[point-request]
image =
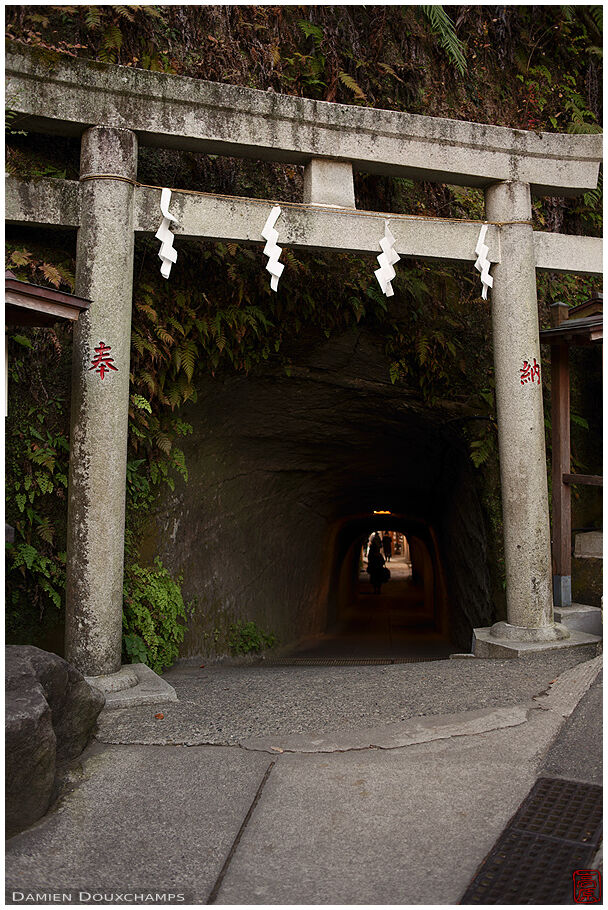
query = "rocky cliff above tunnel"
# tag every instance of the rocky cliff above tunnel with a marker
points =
(278, 464)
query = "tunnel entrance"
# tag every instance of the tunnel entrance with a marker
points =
(388, 597)
(288, 477)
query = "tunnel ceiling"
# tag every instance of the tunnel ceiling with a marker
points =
(367, 444)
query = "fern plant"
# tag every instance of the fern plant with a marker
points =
(154, 616)
(443, 27)
(594, 198)
(350, 83)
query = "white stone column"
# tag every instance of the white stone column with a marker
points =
(521, 432)
(328, 182)
(100, 401)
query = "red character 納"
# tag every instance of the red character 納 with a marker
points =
(530, 372)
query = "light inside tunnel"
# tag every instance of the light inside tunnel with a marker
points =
(410, 615)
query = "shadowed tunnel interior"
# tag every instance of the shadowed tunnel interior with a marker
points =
(285, 473)
(410, 615)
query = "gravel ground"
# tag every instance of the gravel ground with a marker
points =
(228, 704)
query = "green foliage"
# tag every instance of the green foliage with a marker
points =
(246, 638)
(11, 118)
(592, 209)
(37, 454)
(154, 616)
(443, 27)
(558, 101)
(311, 31)
(482, 429)
(350, 83)
(482, 449)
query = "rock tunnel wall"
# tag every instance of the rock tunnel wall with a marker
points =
(278, 465)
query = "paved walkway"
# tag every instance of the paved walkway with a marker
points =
(312, 785)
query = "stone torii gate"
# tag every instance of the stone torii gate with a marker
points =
(115, 109)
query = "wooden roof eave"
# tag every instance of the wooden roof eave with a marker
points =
(30, 304)
(588, 330)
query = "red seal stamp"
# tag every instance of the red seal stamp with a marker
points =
(587, 886)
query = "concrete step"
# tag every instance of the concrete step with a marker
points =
(581, 618)
(485, 645)
(587, 565)
(589, 545)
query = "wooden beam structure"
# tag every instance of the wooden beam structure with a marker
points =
(588, 480)
(30, 304)
(587, 329)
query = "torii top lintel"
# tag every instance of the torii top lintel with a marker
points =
(67, 95)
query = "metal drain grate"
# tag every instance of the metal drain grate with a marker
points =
(556, 830)
(564, 809)
(344, 661)
(527, 869)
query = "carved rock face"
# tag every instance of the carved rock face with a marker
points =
(284, 473)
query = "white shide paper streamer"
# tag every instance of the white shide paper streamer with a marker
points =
(272, 250)
(482, 263)
(387, 259)
(166, 254)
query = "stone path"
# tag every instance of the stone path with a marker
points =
(223, 705)
(333, 790)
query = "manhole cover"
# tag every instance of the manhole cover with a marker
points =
(556, 830)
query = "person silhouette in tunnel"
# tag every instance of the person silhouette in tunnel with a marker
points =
(374, 537)
(375, 564)
(387, 546)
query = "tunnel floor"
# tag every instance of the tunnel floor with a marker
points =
(390, 624)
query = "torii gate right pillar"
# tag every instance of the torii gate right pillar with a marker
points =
(521, 432)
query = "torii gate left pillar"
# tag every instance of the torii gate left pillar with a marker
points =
(100, 403)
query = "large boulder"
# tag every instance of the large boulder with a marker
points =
(50, 714)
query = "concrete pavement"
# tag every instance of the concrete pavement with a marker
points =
(303, 796)
(576, 753)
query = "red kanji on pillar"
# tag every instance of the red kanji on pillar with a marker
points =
(102, 362)
(529, 372)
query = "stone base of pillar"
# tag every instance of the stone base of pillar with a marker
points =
(486, 644)
(126, 678)
(553, 632)
(134, 684)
